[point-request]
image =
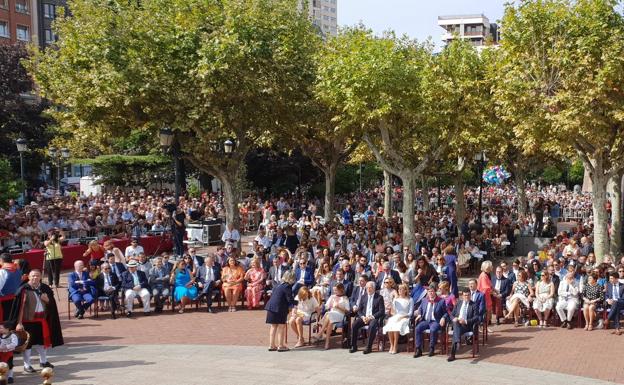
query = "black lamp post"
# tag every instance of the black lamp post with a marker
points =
(439, 163)
(59, 156)
(167, 139)
(22, 147)
(481, 161)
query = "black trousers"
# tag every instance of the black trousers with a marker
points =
(207, 292)
(178, 242)
(358, 324)
(53, 270)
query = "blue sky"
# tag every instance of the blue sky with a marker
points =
(416, 18)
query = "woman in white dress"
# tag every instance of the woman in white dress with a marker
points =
(302, 312)
(402, 310)
(323, 276)
(337, 306)
(544, 299)
(388, 292)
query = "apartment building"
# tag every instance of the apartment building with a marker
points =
(324, 15)
(47, 13)
(18, 21)
(476, 29)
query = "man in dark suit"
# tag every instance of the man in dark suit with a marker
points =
(107, 284)
(304, 275)
(158, 279)
(615, 299)
(387, 272)
(465, 318)
(134, 284)
(431, 316)
(340, 278)
(276, 272)
(117, 268)
(501, 287)
(478, 298)
(208, 279)
(358, 293)
(371, 313)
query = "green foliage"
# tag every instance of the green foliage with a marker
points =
(348, 179)
(552, 175)
(576, 172)
(130, 170)
(10, 186)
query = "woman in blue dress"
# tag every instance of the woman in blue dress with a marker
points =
(184, 285)
(450, 260)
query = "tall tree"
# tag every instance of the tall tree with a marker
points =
(21, 112)
(562, 65)
(398, 91)
(210, 70)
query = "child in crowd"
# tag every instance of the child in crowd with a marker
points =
(8, 343)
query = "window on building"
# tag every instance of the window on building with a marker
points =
(21, 6)
(49, 36)
(49, 11)
(23, 33)
(4, 29)
(4, 3)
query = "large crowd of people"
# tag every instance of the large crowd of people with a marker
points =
(352, 272)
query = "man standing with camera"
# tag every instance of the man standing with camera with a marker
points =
(53, 256)
(179, 229)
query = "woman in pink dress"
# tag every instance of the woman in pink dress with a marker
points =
(484, 285)
(255, 278)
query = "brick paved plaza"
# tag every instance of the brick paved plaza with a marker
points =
(232, 348)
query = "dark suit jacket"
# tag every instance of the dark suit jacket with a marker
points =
(99, 283)
(118, 268)
(309, 276)
(382, 275)
(379, 311)
(505, 286)
(609, 292)
(439, 309)
(127, 283)
(281, 299)
(201, 273)
(472, 315)
(479, 300)
(356, 293)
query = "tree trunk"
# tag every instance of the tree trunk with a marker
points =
(615, 191)
(460, 206)
(522, 197)
(599, 190)
(425, 194)
(231, 185)
(330, 188)
(409, 183)
(387, 194)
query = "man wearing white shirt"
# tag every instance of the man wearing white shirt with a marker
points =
(134, 249)
(231, 235)
(262, 239)
(371, 314)
(107, 284)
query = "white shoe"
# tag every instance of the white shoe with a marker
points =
(600, 325)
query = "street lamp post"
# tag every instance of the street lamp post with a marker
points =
(22, 147)
(438, 175)
(167, 139)
(481, 161)
(60, 156)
